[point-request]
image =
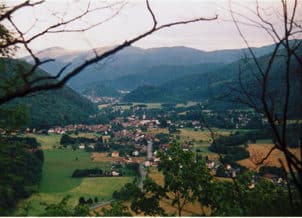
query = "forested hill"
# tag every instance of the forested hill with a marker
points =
(193, 87)
(212, 85)
(99, 89)
(135, 61)
(56, 107)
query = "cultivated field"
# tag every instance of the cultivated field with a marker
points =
(258, 152)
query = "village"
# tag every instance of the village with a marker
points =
(135, 140)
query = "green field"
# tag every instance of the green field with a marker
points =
(150, 105)
(189, 104)
(47, 141)
(57, 182)
(201, 139)
(86, 135)
(102, 106)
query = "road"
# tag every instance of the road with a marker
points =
(143, 173)
(100, 204)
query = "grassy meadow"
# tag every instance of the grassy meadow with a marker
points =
(47, 141)
(57, 182)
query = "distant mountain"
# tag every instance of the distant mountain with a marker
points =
(212, 86)
(193, 87)
(160, 74)
(134, 60)
(100, 89)
(55, 107)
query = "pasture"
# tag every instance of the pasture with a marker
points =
(188, 104)
(57, 182)
(46, 141)
(102, 106)
(149, 105)
(89, 135)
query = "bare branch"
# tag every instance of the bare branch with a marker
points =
(34, 87)
(27, 3)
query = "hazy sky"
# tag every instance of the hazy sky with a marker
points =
(133, 18)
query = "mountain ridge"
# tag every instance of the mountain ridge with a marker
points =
(134, 60)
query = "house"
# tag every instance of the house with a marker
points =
(91, 146)
(81, 146)
(51, 131)
(210, 164)
(228, 167)
(105, 138)
(115, 154)
(135, 153)
(147, 163)
(251, 186)
(114, 173)
(156, 160)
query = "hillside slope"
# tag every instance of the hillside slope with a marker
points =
(211, 86)
(54, 107)
(135, 60)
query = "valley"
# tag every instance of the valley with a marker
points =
(121, 142)
(124, 142)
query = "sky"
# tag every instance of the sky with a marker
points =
(130, 18)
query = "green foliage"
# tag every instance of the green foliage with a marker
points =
(126, 192)
(81, 210)
(277, 171)
(46, 108)
(5, 38)
(117, 209)
(148, 200)
(98, 89)
(67, 140)
(63, 209)
(144, 201)
(20, 173)
(231, 146)
(13, 117)
(184, 176)
(186, 179)
(221, 171)
(172, 129)
(265, 199)
(58, 209)
(79, 173)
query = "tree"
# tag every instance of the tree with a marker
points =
(186, 179)
(59, 209)
(21, 172)
(117, 209)
(274, 82)
(26, 81)
(147, 200)
(263, 199)
(63, 209)
(13, 118)
(82, 201)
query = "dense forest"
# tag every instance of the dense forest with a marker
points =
(20, 170)
(48, 108)
(217, 86)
